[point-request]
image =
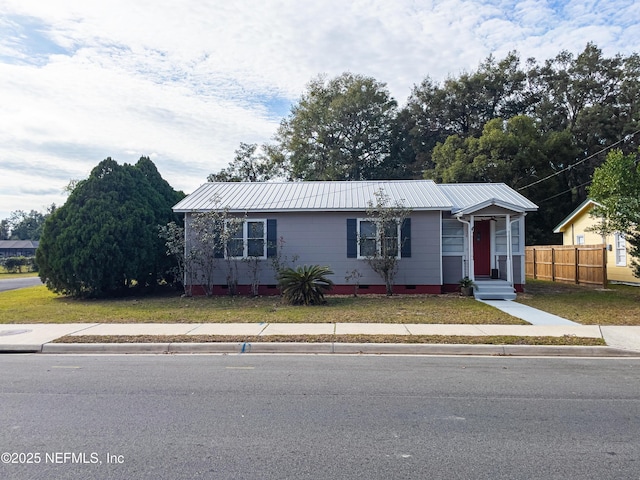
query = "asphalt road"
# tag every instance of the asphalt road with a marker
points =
(318, 417)
(15, 283)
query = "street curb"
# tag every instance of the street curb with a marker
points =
(97, 348)
(333, 348)
(21, 348)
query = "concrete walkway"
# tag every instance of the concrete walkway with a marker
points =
(527, 313)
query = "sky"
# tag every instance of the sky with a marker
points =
(184, 82)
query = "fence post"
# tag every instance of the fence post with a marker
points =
(605, 280)
(576, 260)
(535, 264)
(553, 264)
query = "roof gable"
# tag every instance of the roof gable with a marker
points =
(580, 210)
(468, 198)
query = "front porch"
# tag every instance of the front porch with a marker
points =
(493, 232)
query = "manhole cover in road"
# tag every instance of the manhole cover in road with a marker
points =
(6, 333)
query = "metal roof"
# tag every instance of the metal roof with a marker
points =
(347, 196)
(309, 196)
(18, 244)
(466, 196)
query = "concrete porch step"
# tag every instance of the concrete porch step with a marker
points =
(493, 290)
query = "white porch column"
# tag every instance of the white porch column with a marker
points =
(471, 259)
(509, 250)
(466, 261)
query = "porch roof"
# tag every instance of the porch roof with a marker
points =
(468, 198)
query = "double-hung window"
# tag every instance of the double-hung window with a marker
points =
(621, 250)
(501, 236)
(452, 237)
(256, 238)
(376, 238)
(246, 239)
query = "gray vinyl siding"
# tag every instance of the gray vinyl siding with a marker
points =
(451, 269)
(518, 274)
(321, 238)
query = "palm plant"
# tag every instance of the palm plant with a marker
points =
(305, 285)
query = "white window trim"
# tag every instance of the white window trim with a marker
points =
(465, 248)
(245, 239)
(620, 248)
(378, 243)
(580, 239)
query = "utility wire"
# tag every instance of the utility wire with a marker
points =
(580, 161)
(566, 191)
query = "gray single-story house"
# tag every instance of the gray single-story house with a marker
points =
(18, 248)
(453, 231)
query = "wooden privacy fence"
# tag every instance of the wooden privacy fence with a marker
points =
(567, 263)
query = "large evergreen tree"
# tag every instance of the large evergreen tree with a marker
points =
(340, 129)
(542, 128)
(579, 106)
(104, 239)
(515, 152)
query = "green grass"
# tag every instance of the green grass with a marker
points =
(615, 305)
(39, 305)
(433, 339)
(4, 275)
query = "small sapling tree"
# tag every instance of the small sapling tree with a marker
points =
(380, 237)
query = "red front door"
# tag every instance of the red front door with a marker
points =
(482, 248)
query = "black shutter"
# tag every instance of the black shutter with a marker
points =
(352, 238)
(272, 238)
(405, 238)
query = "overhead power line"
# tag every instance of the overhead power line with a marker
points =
(580, 161)
(562, 193)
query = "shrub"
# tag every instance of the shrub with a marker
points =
(15, 264)
(305, 285)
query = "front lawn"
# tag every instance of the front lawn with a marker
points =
(615, 305)
(4, 275)
(39, 305)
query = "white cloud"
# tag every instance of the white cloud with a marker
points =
(186, 81)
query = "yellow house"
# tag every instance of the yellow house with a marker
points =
(574, 229)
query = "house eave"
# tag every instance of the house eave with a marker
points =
(493, 202)
(580, 209)
(307, 210)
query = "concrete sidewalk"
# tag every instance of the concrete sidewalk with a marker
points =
(38, 337)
